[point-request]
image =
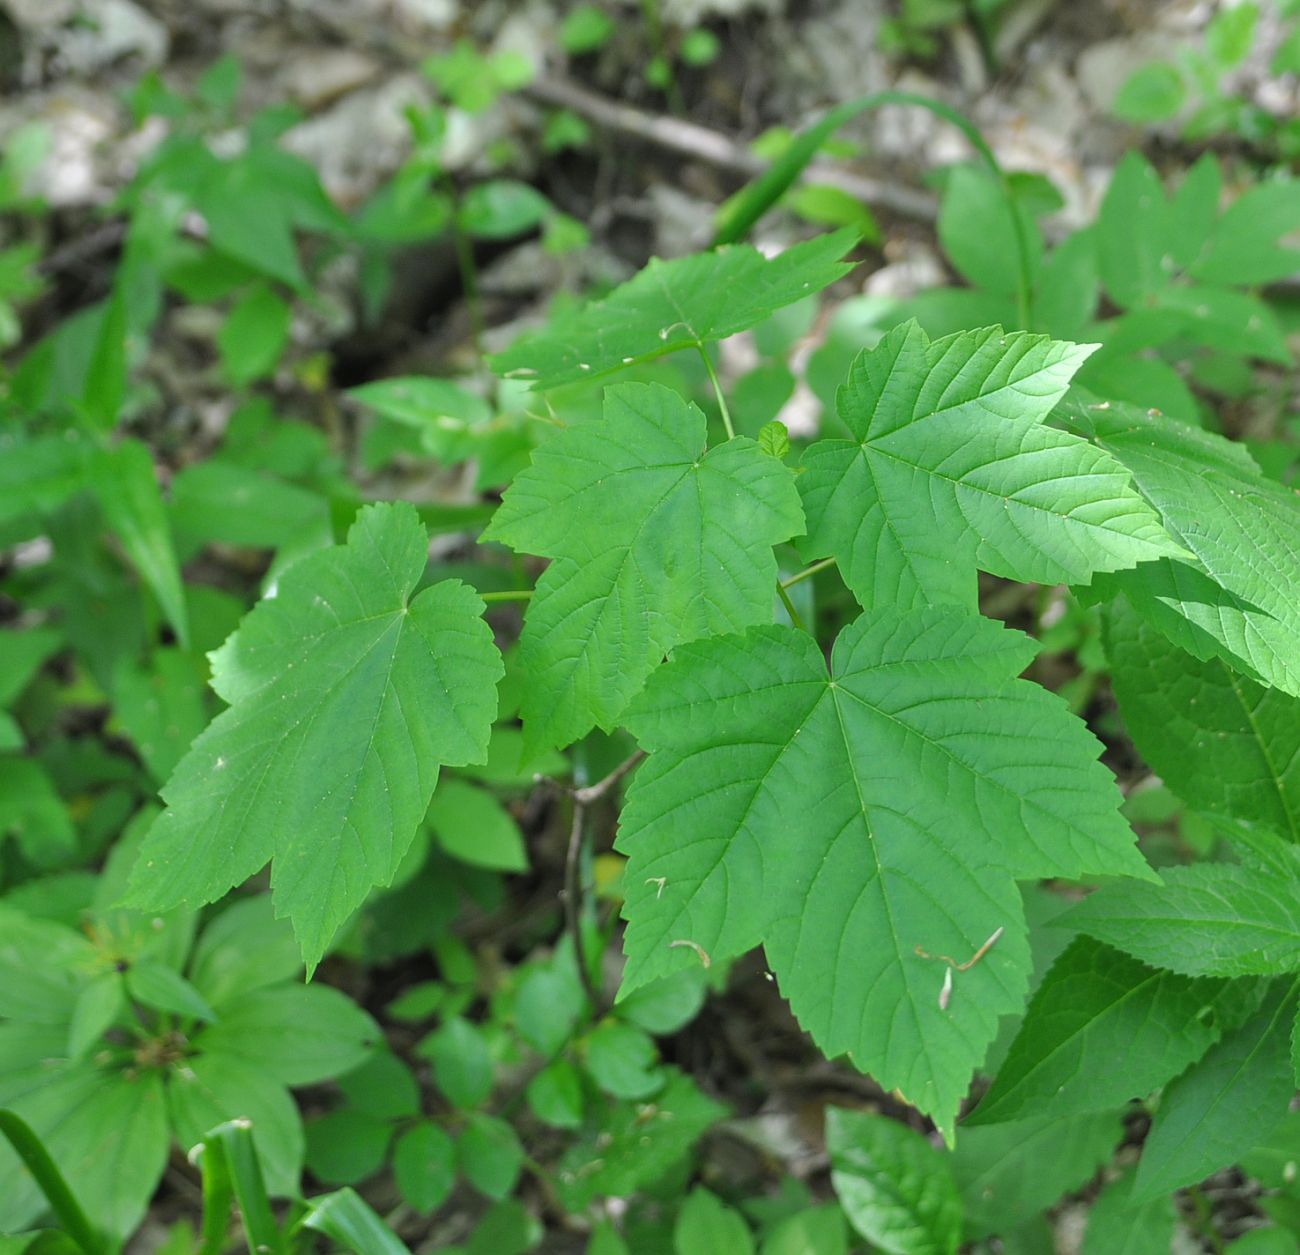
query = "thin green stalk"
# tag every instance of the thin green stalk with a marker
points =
(63, 1203)
(807, 573)
(218, 1199)
(789, 607)
(233, 1141)
(468, 273)
(717, 391)
(511, 594)
(772, 184)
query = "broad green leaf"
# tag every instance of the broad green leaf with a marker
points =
(1193, 210)
(99, 1003)
(813, 1231)
(424, 1165)
(814, 814)
(296, 1034)
(895, 1187)
(243, 949)
(1203, 619)
(107, 1132)
(219, 501)
(1227, 320)
(123, 479)
(1102, 1029)
(383, 1086)
(160, 706)
(635, 1143)
(1274, 1161)
(154, 984)
(1152, 93)
(978, 232)
(951, 469)
(705, 1225)
(210, 1089)
(438, 409)
(490, 1155)
(33, 813)
(345, 696)
(670, 305)
(345, 1146)
(1225, 1104)
(22, 653)
(1132, 237)
(462, 1065)
(1210, 919)
(1239, 597)
(622, 1060)
(498, 209)
(664, 1006)
(547, 1006)
(1217, 739)
(1008, 1173)
(1118, 1226)
(654, 541)
(104, 388)
(1246, 245)
(555, 1095)
(254, 335)
(474, 827)
(1231, 32)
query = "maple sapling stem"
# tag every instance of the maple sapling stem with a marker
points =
(789, 607)
(717, 391)
(573, 905)
(512, 594)
(807, 573)
(594, 792)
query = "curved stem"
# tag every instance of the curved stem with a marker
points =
(807, 573)
(789, 607)
(770, 186)
(717, 391)
(63, 1203)
(573, 905)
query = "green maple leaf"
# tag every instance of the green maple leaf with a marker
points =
(1235, 595)
(1102, 1029)
(842, 821)
(654, 541)
(950, 469)
(1226, 1103)
(1210, 919)
(346, 694)
(1216, 738)
(671, 305)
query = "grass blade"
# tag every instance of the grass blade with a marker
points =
(353, 1223)
(31, 1150)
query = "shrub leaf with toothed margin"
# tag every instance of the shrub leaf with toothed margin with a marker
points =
(679, 304)
(653, 541)
(844, 820)
(346, 695)
(1235, 595)
(950, 470)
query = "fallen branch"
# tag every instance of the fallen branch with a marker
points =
(679, 135)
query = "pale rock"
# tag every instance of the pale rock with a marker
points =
(360, 140)
(80, 124)
(320, 76)
(37, 15)
(689, 13)
(112, 31)
(1104, 67)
